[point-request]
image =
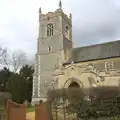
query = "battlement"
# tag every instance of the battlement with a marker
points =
(58, 12)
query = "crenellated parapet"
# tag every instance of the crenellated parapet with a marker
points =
(58, 12)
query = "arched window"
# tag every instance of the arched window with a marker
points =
(49, 48)
(50, 29)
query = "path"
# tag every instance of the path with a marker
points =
(30, 116)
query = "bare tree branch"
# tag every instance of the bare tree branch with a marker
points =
(14, 60)
(2, 52)
(5, 59)
(18, 59)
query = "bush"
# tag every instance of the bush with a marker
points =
(18, 88)
(29, 105)
(104, 102)
(93, 110)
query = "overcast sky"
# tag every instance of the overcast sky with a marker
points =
(94, 21)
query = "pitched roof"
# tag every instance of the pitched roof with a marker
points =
(96, 52)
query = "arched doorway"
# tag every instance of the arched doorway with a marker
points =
(74, 85)
(74, 88)
(75, 92)
(73, 82)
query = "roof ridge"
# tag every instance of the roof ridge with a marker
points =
(104, 43)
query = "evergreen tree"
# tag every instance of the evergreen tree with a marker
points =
(4, 76)
(27, 72)
(18, 87)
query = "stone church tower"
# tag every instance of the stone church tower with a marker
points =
(54, 46)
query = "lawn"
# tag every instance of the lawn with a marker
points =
(2, 113)
(30, 114)
(30, 109)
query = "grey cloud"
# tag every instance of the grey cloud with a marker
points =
(20, 34)
(95, 21)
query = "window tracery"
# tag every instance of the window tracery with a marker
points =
(50, 29)
(108, 66)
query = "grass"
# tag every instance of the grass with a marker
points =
(2, 113)
(30, 109)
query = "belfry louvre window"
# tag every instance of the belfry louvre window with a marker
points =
(50, 29)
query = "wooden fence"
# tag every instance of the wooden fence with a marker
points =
(43, 111)
(15, 111)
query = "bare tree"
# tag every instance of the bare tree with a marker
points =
(14, 60)
(2, 52)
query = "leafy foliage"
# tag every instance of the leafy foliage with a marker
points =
(4, 75)
(99, 105)
(27, 72)
(18, 87)
(100, 102)
(89, 110)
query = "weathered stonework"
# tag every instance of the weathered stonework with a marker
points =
(50, 49)
(58, 64)
(87, 74)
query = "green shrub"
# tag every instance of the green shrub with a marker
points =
(100, 109)
(29, 105)
(104, 102)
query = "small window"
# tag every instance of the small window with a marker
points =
(66, 29)
(50, 29)
(49, 48)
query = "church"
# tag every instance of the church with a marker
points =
(59, 65)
